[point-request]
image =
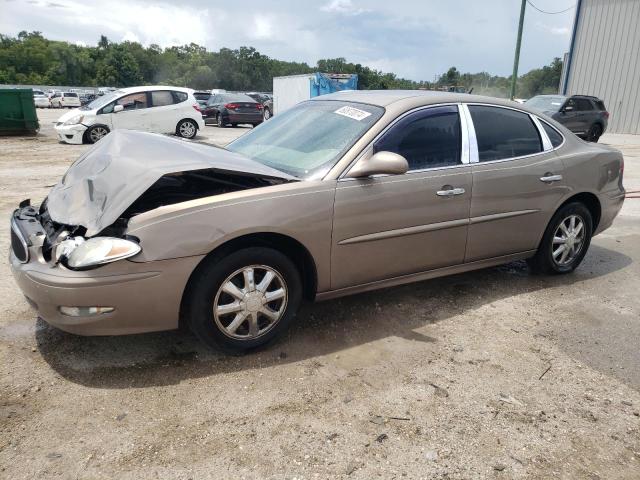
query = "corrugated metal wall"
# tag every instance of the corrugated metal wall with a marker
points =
(606, 59)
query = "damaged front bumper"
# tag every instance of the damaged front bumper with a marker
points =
(132, 297)
(73, 134)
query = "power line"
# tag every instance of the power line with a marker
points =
(550, 13)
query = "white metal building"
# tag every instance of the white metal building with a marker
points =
(604, 59)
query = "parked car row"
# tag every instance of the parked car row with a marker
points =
(154, 109)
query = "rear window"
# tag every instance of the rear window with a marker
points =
(554, 136)
(236, 97)
(504, 133)
(180, 96)
(600, 105)
(71, 94)
(161, 98)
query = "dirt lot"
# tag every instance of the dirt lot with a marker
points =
(441, 379)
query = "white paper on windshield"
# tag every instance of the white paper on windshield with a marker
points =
(352, 112)
(556, 103)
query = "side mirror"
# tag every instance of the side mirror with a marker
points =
(380, 163)
(118, 108)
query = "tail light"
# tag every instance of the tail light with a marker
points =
(606, 115)
(259, 106)
(231, 106)
(197, 107)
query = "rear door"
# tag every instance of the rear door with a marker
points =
(163, 112)
(394, 225)
(587, 115)
(517, 183)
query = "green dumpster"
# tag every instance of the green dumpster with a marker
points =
(17, 112)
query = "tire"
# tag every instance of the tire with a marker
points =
(219, 121)
(187, 129)
(214, 325)
(95, 133)
(544, 261)
(594, 133)
(266, 115)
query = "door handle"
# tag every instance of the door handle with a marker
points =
(550, 178)
(450, 192)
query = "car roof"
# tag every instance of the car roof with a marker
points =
(591, 97)
(148, 88)
(384, 98)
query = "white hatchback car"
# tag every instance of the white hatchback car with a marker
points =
(150, 109)
(40, 100)
(65, 100)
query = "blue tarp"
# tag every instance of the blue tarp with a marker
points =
(322, 83)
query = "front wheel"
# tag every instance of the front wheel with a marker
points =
(187, 129)
(95, 133)
(565, 241)
(220, 121)
(266, 115)
(243, 300)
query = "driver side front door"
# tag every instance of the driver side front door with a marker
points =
(394, 225)
(135, 115)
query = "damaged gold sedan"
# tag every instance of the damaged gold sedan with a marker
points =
(341, 194)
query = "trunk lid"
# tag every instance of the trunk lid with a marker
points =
(107, 179)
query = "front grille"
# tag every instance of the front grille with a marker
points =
(18, 243)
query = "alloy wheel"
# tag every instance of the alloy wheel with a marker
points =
(568, 240)
(187, 130)
(250, 302)
(97, 133)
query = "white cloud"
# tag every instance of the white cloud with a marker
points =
(554, 30)
(344, 7)
(263, 27)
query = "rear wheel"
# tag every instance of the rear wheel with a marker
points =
(594, 133)
(187, 129)
(565, 242)
(243, 300)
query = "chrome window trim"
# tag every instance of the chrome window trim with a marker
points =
(564, 139)
(542, 152)
(369, 147)
(546, 143)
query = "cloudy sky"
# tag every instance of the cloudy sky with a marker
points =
(414, 38)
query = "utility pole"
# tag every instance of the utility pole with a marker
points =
(516, 60)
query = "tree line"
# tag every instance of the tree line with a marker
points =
(31, 59)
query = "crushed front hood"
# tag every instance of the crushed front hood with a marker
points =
(105, 181)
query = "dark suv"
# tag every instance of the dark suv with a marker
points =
(585, 116)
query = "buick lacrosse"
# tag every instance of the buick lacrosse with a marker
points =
(341, 194)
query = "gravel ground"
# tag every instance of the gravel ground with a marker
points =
(490, 374)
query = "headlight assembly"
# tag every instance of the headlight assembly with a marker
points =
(75, 120)
(98, 251)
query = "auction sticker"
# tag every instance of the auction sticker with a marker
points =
(351, 112)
